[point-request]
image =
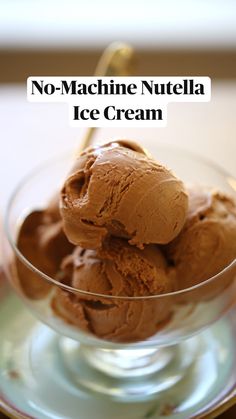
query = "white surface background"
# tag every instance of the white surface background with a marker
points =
(33, 132)
(91, 23)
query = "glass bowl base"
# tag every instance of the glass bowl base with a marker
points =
(45, 376)
(134, 375)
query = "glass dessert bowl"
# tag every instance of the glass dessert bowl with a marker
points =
(126, 347)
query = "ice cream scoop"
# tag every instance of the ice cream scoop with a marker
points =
(207, 243)
(42, 242)
(117, 190)
(118, 270)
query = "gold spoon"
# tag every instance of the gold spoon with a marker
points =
(116, 60)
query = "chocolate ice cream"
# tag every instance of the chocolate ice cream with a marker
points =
(42, 242)
(207, 243)
(135, 236)
(116, 189)
(116, 270)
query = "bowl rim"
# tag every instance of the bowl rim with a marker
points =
(54, 282)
